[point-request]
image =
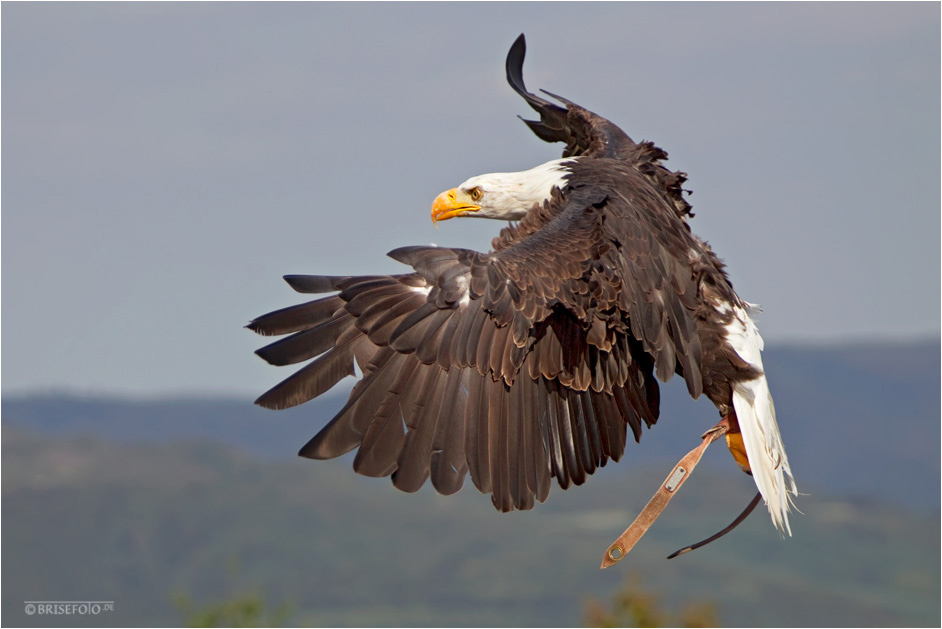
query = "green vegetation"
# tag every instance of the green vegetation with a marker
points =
(634, 606)
(243, 610)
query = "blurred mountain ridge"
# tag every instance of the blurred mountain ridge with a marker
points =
(859, 420)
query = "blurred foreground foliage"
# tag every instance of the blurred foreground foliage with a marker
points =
(633, 606)
(247, 609)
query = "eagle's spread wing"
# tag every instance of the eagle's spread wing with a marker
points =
(522, 365)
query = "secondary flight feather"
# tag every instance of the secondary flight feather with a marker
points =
(530, 364)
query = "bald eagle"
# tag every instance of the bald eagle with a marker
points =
(533, 362)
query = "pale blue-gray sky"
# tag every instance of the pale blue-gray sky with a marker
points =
(165, 164)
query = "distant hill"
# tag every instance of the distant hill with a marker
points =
(858, 421)
(89, 518)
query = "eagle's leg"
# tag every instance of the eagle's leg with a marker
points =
(617, 551)
(727, 424)
(734, 442)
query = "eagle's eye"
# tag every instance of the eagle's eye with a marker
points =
(475, 193)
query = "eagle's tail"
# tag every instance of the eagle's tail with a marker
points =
(755, 412)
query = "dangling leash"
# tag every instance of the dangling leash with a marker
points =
(742, 516)
(659, 501)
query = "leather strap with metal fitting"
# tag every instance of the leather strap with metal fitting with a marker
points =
(681, 472)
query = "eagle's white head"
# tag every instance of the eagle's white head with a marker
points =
(504, 196)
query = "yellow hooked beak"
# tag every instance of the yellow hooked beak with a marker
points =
(452, 203)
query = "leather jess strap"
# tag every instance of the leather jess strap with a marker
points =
(659, 501)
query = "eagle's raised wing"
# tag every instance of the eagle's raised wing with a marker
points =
(583, 132)
(588, 134)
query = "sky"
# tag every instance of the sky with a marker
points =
(164, 164)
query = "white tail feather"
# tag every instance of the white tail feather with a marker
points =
(756, 414)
